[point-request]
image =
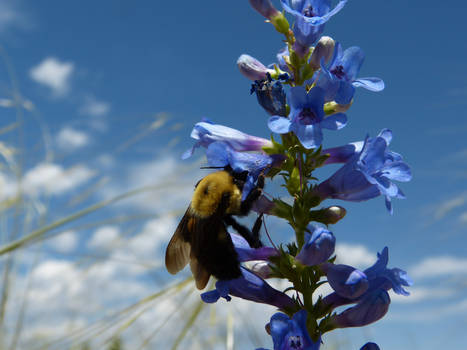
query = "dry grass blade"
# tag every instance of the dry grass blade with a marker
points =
(191, 320)
(35, 235)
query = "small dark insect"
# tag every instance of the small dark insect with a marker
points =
(201, 237)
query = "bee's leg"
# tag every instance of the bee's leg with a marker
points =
(252, 237)
(254, 194)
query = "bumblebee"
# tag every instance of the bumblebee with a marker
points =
(201, 237)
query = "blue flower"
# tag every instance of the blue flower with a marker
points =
(339, 78)
(206, 132)
(307, 117)
(220, 154)
(380, 276)
(291, 334)
(270, 95)
(310, 16)
(246, 253)
(318, 247)
(368, 173)
(345, 280)
(372, 307)
(315, 12)
(370, 346)
(250, 287)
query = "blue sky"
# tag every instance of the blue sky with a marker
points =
(113, 89)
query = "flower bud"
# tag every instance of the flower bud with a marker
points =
(265, 8)
(323, 50)
(369, 309)
(346, 280)
(329, 215)
(251, 68)
(318, 247)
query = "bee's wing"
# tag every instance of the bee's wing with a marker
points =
(177, 254)
(199, 273)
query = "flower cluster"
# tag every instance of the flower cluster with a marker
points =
(309, 89)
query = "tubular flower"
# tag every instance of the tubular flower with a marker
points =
(314, 12)
(220, 154)
(270, 95)
(307, 117)
(310, 16)
(251, 68)
(250, 287)
(369, 309)
(346, 280)
(206, 132)
(318, 248)
(246, 253)
(368, 174)
(291, 334)
(380, 276)
(339, 78)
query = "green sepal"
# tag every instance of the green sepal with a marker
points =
(280, 23)
(282, 210)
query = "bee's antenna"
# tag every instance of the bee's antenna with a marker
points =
(212, 167)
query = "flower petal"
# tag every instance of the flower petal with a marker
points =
(334, 122)
(372, 84)
(310, 136)
(352, 60)
(279, 125)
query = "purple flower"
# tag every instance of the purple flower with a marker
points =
(310, 16)
(206, 132)
(347, 281)
(370, 346)
(250, 287)
(339, 78)
(369, 309)
(380, 276)
(307, 117)
(318, 247)
(291, 334)
(368, 173)
(246, 253)
(270, 95)
(265, 8)
(281, 60)
(251, 68)
(220, 154)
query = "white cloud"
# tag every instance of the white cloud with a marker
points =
(51, 178)
(65, 242)
(463, 218)
(12, 16)
(54, 74)
(354, 255)
(104, 238)
(94, 107)
(70, 139)
(439, 266)
(418, 294)
(171, 185)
